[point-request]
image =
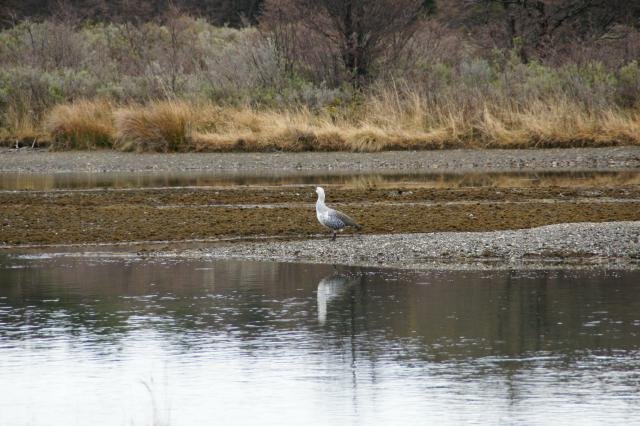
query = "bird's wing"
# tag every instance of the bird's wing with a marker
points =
(345, 219)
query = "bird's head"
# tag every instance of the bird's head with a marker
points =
(320, 192)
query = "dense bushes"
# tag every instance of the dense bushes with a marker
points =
(187, 85)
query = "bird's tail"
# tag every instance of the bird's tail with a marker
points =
(357, 226)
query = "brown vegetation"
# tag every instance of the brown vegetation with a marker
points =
(361, 32)
(328, 75)
(380, 125)
(160, 127)
(82, 125)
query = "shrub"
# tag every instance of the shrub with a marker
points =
(629, 85)
(440, 91)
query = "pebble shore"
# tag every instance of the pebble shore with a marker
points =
(43, 161)
(576, 244)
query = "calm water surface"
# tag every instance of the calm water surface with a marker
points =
(121, 341)
(10, 181)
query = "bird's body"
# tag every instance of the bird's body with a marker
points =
(330, 218)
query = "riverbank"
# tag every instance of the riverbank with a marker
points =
(451, 161)
(451, 207)
(613, 244)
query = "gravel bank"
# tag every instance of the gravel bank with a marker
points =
(42, 161)
(576, 244)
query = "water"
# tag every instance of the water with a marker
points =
(121, 341)
(15, 181)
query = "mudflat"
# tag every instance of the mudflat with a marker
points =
(435, 196)
(193, 213)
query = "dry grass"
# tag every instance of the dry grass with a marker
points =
(22, 129)
(385, 122)
(81, 125)
(564, 125)
(159, 127)
(302, 130)
(27, 136)
(560, 124)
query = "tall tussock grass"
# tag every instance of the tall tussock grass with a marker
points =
(81, 125)
(559, 124)
(411, 123)
(158, 127)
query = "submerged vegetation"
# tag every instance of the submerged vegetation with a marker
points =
(179, 83)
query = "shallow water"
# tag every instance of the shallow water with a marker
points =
(122, 341)
(15, 181)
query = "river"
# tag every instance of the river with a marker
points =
(118, 339)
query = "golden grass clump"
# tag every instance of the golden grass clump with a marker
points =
(81, 125)
(622, 126)
(561, 124)
(259, 131)
(158, 127)
(384, 122)
(301, 130)
(384, 126)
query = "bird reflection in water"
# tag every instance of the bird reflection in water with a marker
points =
(331, 288)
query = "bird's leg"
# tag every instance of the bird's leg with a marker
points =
(334, 236)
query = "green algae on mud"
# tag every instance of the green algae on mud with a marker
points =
(178, 214)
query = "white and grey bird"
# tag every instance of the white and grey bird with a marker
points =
(330, 218)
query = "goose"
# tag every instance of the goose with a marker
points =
(330, 218)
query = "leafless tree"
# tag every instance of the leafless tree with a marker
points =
(299, 50)
(220, 12)
(362, 32)
(535, 28)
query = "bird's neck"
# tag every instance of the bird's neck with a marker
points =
(320, 203)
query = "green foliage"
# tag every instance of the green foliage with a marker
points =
(525, 82)
(629, 85)
(592, 85)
